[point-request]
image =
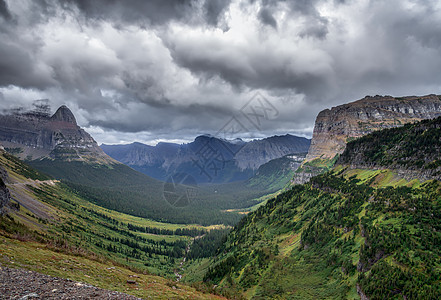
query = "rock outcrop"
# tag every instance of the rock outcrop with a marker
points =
(34, 135)
(335, 127)
(5, 196)
(3, 173)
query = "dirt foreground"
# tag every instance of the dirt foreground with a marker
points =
(23, 284)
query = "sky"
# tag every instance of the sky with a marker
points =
(170, 70)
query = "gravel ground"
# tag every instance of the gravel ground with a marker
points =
(22, 284)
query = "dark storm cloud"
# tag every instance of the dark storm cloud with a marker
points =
(135, 11)
(256, 69)
(315, 25)
(17, 67)
(152, 12)
(4, 12)
(213, 9)
(190, 65)
(267, 18)
(164, 118)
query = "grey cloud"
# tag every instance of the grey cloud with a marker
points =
(152, 12)
(267, 18)
(315, 27)
(307, 7)
(256, 67)
(135, 11)
(161, 66)
(165, 118)
(314, 24)
(213, 9)
(4, 12)
(18, 66)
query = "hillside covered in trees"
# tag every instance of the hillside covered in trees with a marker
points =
(345, 234)
(413, 147)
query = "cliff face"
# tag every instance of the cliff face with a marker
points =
(35, 135)
(258, 152)
(5, 196)
(335, 127)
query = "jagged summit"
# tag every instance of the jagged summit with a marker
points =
(32, 135)
(64, 114)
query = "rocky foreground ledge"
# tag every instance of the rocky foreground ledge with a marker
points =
(23, 284)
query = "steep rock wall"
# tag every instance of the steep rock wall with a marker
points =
(335, 127)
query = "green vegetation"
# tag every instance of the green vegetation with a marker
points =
(54, 231)
(80, 226)
(123, 189)
(321, 239)
(318, 165)
(345, 233)
(23, 169)
(276, 174)
(64, 217)
(206, 245)
(348, 231)
(413, 146)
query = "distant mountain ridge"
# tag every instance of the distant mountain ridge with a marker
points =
(34, 135)
(235, 160)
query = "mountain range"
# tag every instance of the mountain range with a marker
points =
(57, 146)
(207, 158)
(365, 225)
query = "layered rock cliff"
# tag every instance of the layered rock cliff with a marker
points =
(33, 135)
(335, 127)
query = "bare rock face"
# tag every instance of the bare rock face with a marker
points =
(3, 174)
(34, 135)
(64, 115)
(5, 196)
(258, 152)
(335, 127)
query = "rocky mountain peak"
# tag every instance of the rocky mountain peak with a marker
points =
(31, 135)
(64, 114)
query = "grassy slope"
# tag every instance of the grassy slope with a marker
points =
(275, 174)
(307, 243)
(54, 222)
(347, 231)
(38, 257)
